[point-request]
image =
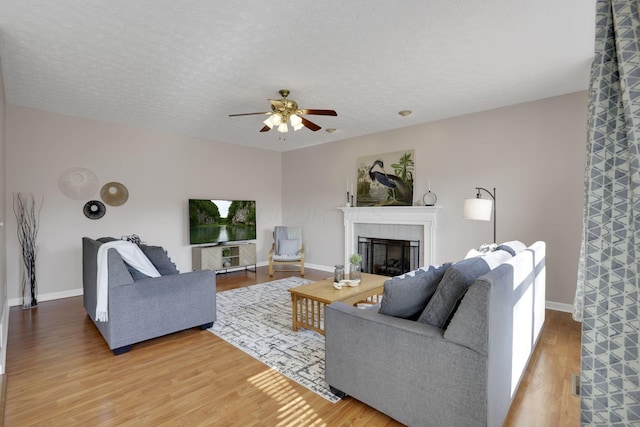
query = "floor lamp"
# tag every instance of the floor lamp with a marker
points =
(480, 209)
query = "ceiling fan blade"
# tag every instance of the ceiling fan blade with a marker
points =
(248, 114)
(310, 125)
(318, 112)
(265, 128)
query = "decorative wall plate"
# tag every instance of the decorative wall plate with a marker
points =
(94, 209)
(78, 183)
(114, 193)
(429, 198)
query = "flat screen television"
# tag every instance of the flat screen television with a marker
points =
(218, 221)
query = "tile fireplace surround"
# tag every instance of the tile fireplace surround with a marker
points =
(401, 216)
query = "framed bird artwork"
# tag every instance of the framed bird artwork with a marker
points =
(386, 179)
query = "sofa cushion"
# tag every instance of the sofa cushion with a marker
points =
(288, 246)
(160, 259)
(455, 283)
(407, 296)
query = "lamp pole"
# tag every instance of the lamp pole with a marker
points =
(493, 196)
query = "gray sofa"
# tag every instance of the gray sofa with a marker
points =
(463, 374)
(148, 307)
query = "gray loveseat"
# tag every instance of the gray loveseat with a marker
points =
(463, 374)
(146, 308)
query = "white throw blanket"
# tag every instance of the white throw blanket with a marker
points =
(133, 256)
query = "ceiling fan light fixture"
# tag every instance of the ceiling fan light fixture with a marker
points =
(268, 123)
(296, 122)
(276, 119)
(295, 119)
(283, 128)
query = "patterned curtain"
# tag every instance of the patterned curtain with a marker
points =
(607, 299)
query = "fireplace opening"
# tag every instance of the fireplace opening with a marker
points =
(388, 257)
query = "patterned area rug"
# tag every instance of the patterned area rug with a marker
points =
(257, 320)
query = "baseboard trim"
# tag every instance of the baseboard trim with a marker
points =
(551, 305)
(558, 306)
(4, 334)
(50, 296)
(318, 267)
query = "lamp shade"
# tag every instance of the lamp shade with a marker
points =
(479, 209)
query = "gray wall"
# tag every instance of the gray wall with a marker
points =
(160, 170)
(4, 307)
(533, 154)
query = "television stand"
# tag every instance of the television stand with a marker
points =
(222, 258)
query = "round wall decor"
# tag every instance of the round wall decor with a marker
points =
(78, 183)
(114, 193)
(94, 209)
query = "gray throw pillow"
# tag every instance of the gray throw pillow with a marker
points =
(135, 273)
(106, 239)
(406, 297)
(454, 285)
(160, 260)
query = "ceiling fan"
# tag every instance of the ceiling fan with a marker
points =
(286, 110)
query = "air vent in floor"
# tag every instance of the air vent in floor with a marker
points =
(575, 385)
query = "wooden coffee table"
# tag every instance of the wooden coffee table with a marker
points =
(309, 301)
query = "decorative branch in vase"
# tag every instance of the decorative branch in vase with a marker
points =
(27, 222)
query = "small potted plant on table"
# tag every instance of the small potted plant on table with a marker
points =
(356, 266)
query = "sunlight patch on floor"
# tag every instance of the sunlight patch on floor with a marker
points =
(294, 409)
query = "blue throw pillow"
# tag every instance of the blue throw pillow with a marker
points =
(406, 297)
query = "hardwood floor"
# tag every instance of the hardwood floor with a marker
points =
(60, 372)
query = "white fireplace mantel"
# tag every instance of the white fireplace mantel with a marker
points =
(424, 216)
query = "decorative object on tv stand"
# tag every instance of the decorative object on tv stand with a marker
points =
(480, 209)
(378, 186)
(355, 268)
(94, 209)
(114, 193)
(27, 219)
(78, 183)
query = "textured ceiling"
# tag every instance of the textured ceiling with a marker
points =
(183, 66)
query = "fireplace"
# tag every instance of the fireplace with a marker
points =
(388, 257)
(413, 223)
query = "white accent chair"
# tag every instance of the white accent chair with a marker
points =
(287, 249)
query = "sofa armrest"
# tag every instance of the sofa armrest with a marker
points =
(161, 305)
(405, 369)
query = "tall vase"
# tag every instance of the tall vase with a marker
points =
(354, 271)
(29, 284)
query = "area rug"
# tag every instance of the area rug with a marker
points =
(257, 320)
